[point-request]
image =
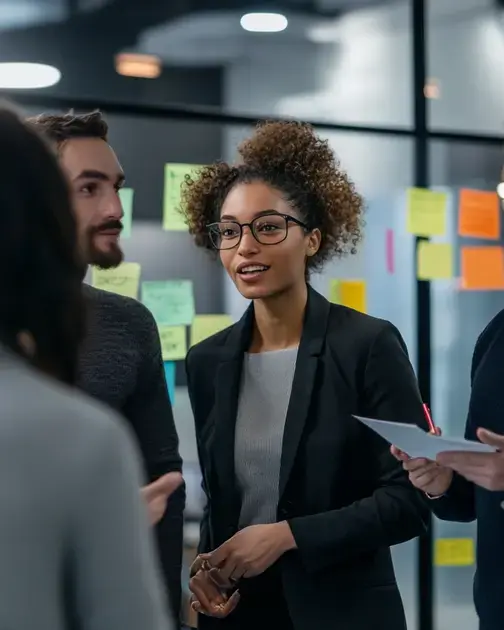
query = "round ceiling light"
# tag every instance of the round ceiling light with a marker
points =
(264, 22)
(30, 76)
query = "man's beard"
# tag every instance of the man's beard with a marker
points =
(98, 258)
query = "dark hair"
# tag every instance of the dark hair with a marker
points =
(58, 128)
(40, 273)
(290, 157)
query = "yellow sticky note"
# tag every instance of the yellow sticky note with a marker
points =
(173, 220)
(205, 326)
(123, 280)
(434, 261)
(352, 293)
(427, 212)
(173, 342)
(334, 291)
(454, 552)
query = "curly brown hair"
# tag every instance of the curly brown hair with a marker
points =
(290, 157)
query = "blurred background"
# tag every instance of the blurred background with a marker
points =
(408, 93)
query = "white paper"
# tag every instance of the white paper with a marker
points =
(415, 442)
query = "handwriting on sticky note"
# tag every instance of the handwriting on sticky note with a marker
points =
(123, 280)
(205, 326)
(454, 552)
(175, 174)
(426, 212)
(170, 301)
(389, 251)
(352, 293)
(126, 196)
(173, 342)
(479, 214)
(334, 291)
(170, 374)
(482, 268)
(434, 261)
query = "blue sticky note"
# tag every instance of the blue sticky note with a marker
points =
(169, 370)
(170, 301)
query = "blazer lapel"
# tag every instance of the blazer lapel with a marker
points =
(310, 348)
(227, 386)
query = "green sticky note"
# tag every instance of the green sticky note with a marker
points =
(123, 280)
(170, 301)
(175, 174)
(173, 342)
(205, 326)
(334, 291)
(126, 197)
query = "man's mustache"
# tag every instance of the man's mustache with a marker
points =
(109, 225)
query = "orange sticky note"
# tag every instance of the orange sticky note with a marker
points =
(352, 293)
(482, 268)
(479, 214)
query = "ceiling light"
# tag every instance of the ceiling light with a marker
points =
(264, 22)
(138, 65)
(28, 75)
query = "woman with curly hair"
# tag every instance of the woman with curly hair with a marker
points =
(303, 502)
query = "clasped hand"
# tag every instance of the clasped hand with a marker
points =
(246, 554)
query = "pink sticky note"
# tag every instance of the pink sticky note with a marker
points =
(389, 250)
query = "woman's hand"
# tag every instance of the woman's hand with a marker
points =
(208, 599)
(249, 552)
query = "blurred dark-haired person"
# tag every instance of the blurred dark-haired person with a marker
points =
(303, 502)
(120, 362)
(75, 541)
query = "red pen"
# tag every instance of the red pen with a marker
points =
(428, 417)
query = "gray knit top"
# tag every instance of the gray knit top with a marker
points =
(264, 397)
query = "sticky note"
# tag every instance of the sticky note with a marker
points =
(126, 197)
(353, 294)
(454, 552)
(479, 214)
(169, 370)
(334, 291)
(173, 342)
(170, 301)
(205, 326)
(426, 212)
(123, 280)
(175, 174)
(389, 251)
(482, 268)
(434, 261)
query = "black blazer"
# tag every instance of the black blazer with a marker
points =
(344, 495)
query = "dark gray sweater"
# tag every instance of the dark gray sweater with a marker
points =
(121, 365)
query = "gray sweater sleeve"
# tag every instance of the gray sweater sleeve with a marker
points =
(115, 581)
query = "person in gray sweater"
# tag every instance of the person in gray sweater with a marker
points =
(75, 540)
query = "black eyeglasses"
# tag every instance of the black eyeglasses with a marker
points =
(267, 229)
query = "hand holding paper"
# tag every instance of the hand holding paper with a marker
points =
(417, 443)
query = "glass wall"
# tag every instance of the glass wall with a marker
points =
(355, 68)
(465, 51)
